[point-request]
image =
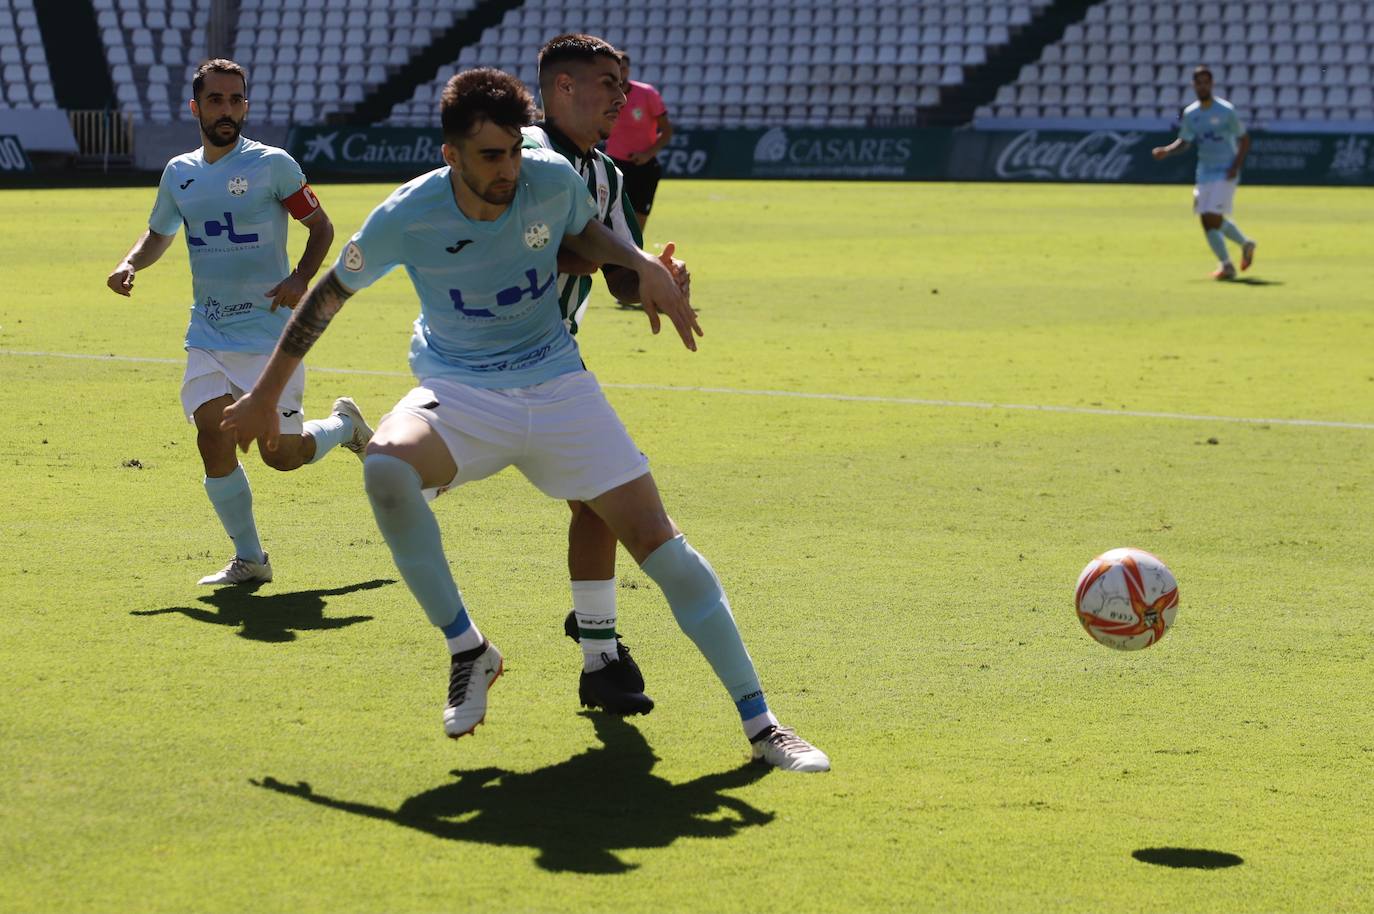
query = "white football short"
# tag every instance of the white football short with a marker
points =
(214, 373)
(1214, 197)
(562, 434)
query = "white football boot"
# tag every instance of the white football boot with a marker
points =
(782, 748)
(240, 571)
(362, 432)
(469, 678)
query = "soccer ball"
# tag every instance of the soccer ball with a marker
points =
(1126, 599)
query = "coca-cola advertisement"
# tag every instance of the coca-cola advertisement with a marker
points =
(1103, 155)
(1097, 156)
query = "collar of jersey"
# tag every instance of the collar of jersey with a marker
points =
(564, 146)
(238, 147)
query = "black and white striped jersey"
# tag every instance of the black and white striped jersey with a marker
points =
(607, 187)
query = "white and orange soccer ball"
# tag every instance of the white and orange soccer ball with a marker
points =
(1126, 599)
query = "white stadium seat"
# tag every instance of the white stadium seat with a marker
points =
(769, 63)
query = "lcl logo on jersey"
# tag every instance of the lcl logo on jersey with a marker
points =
(506, 297)
(536, 235)
(238, 186)
(214, 228)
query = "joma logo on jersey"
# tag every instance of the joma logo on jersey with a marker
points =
(506, 297)
(214, 228)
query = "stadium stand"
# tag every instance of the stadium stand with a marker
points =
(23, 61)
(153, 47)
(718, 63)
(722, 63)
(1293, 62)
(355, 48)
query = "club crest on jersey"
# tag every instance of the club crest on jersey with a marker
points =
(353, 257)
(238, 186)
(602, 193)
(536, 235)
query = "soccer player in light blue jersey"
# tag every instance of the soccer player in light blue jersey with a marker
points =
(501, 383)
(233, 196)
(1212, 125)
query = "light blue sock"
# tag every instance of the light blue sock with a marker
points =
(328, 434)
(409, 528)
(703, 613)
(233, 501)
(1232, 231)
(1218, 244)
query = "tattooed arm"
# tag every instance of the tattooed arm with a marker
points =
(312, 315)
(254, 416)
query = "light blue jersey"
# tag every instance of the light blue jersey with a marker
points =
(1215, 130)
(235, 218)
(489, 313)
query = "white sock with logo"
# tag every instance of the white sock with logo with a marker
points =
(594, 607)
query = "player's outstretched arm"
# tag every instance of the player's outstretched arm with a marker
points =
(145, 252)
(1163, 152)
(624, 284)
(658, 288)
(254, 415)
(288, 292)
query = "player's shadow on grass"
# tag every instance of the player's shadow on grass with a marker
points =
(1239, 281)
(1193, 858)
(275, 617)
(576, 813)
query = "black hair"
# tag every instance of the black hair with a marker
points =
(573, 46)
(217, 65)
(483, 94)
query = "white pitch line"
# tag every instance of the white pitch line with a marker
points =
(977, 404)
(801, 395)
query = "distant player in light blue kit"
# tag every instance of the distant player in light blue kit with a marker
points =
(232, 196)
(501, 383)
(1222, 144)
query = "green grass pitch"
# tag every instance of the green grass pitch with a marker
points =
(902, 569)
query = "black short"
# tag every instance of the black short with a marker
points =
(641, 182)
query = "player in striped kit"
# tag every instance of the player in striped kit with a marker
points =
(582, 95)
(233, 196)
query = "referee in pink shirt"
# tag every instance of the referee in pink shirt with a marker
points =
(641, 130)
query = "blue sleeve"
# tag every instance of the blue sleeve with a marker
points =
(287, 177)
(1185, 129)
(373, 252)
(165, 218)
(1238, 126)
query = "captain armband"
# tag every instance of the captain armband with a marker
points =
(302, 203)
